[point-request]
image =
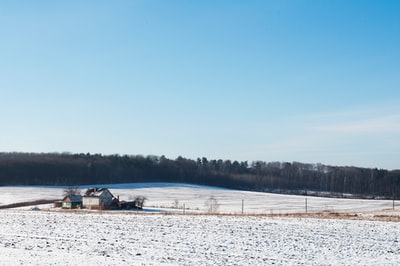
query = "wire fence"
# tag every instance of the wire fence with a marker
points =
(295, 204)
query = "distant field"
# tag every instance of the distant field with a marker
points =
(173, 197)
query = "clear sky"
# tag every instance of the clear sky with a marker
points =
(308, 81)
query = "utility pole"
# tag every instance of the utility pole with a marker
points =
(306, 203)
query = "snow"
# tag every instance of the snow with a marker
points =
(59, 238)
(167, 196)
(172, 238)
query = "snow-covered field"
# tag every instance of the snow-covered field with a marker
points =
(58, 238)
(51, 237)
(167, 196)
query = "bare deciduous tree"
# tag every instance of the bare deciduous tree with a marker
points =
(176, 204)
(138, 201)
(212, 204)
(72, 191)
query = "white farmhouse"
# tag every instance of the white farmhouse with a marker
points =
(97, 198)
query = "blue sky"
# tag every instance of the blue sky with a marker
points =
(308, 81)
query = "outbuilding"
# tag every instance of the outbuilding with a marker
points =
(72, 202)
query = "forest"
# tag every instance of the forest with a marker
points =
(65, 169)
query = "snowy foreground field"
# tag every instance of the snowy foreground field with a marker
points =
(59, 238)
(164, 235)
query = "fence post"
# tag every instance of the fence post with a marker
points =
(306, 203)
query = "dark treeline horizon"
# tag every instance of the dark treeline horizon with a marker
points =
(65, 169)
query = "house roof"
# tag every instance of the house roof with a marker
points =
(96, 192)
(73, 198)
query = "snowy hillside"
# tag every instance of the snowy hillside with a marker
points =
(171, 196)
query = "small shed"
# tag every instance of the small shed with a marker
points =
(98, 198)
(72, 202)
(57, 204)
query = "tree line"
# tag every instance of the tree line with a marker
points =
(64, 169)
